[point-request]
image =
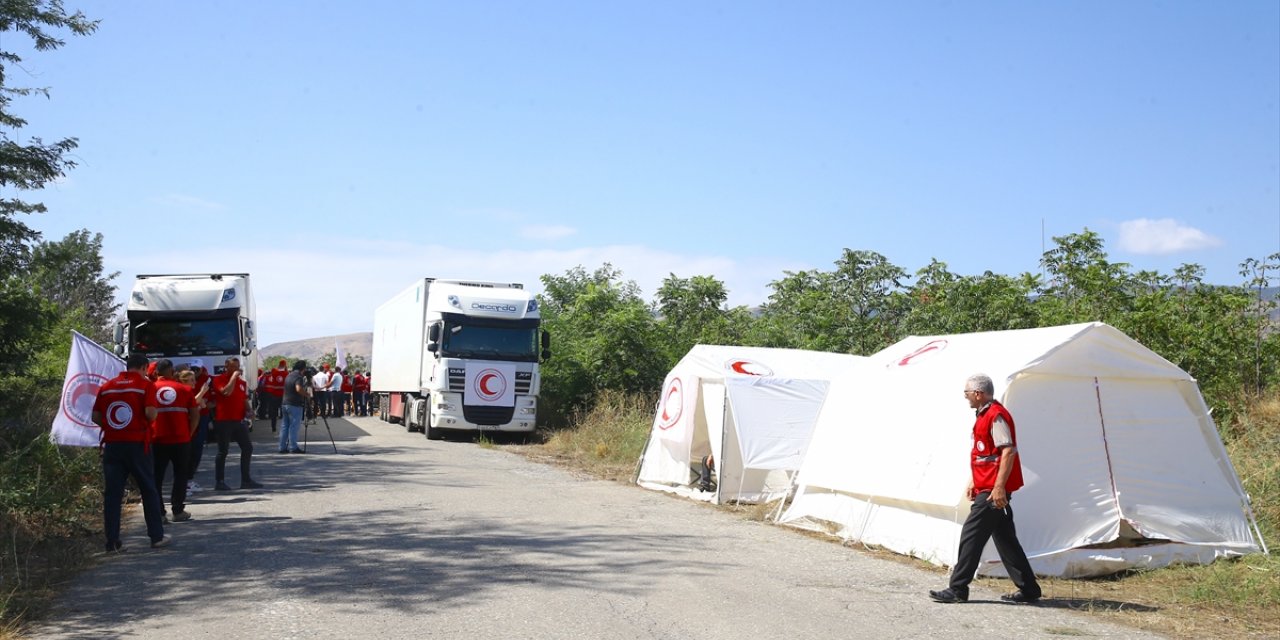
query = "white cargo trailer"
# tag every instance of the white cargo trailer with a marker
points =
(455, 354)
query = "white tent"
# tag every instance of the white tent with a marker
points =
(1123, 465)
(753, 408)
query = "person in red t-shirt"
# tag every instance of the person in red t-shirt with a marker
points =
(273, 392)
(360, 387)
(177, 417)
(203, 387)
(123, 410)
(231, 419)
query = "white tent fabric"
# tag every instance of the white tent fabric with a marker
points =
(752, 408)
(1123, 465)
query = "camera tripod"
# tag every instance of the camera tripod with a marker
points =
(307, 421)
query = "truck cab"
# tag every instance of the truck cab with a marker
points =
(184, 317)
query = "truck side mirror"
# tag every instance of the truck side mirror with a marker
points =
(117, 333)
(433, 333)
(546, 354)
(546, 339)
(433, 347)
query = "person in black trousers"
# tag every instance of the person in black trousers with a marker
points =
(996, 473)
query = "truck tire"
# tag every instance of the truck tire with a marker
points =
(406, 407)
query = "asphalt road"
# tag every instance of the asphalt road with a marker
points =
(395, 536)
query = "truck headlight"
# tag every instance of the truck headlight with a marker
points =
(528, 411)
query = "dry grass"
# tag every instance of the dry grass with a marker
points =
(1228, 599)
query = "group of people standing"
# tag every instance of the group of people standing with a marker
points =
(154, 415)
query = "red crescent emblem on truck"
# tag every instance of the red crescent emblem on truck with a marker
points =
(933, 346)
(672, 405)
(490, 384)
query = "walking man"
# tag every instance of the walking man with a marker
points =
(231, 419)
(996, 473)
(176, 420)
(124, 409)
(273, 391)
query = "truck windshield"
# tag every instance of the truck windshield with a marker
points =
(490, 343)
(186, 337)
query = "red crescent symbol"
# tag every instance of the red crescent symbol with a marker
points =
(935, 345)
(745, 367)
(484, 385)
(674, 397)
(113, 415)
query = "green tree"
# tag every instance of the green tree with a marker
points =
(693, 311)
(857, 308)
(355, 362)
(942, 302)
(29, 166)
(1082, 285)
(69, 274)
(25, 317)
(604, 338)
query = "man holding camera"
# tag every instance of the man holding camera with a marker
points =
(231, 419)
(297, 390)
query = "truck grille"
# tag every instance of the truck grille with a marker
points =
(487, 416)
(458, 380)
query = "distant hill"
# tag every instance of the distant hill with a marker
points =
(312, 349)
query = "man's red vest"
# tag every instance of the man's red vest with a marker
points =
(274, 384)
(121, 402)
(172, 400)
(984, 459)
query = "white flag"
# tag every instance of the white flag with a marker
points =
(89, 367)
(341, 360)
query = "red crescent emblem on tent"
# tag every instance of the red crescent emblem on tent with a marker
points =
(490, 384)
(78, 396)
(745, 367)
(672, 405)
(933, 346)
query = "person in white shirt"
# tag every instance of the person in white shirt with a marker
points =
(320, 382)
(335, 394)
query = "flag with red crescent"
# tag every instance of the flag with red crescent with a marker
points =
(88, 368)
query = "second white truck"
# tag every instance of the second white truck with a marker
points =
(455, 354)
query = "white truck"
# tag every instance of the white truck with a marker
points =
(454, 354)
(184, 317)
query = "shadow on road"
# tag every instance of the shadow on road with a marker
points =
(371, 553)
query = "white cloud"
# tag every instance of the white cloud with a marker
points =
(179, 201)
(1145, 236)
(547, 232)
(310, 287)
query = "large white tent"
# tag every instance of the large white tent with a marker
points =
(1123, 465)
(753, 408)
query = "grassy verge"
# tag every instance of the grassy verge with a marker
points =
(1227, 599)
(50, 521)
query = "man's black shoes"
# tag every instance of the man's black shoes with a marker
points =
(250, 484)
(222, 486)
(947, 596)
(1020, 598)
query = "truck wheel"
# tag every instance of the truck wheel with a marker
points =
(404, 417)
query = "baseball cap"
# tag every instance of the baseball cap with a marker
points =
(197, 363)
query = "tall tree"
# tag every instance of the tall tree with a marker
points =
(604, 338)
(68, 273)
(26, 318)
(693, 311)
(29, 166)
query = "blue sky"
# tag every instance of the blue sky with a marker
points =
(339, 150)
